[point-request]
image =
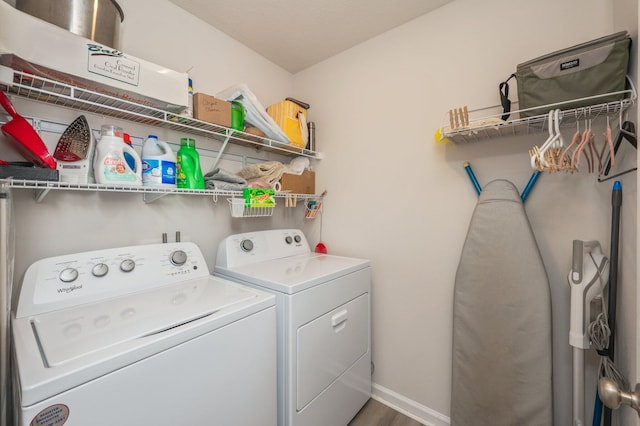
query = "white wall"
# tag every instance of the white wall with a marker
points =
(399, 199)
(171, 37)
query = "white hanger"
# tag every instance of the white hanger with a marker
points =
(557, 144)
(553, 141)
(560, 141)
(537, 154)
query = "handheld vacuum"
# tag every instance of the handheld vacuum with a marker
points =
(588, 278)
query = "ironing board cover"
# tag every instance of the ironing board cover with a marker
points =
(501, 372)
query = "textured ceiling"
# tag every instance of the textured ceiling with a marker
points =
(296, 34)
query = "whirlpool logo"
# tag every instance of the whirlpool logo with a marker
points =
(70, 289)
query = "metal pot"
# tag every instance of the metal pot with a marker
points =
(97, 20)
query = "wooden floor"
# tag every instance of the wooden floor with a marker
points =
(375, 413)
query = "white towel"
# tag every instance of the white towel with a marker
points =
(269, 172)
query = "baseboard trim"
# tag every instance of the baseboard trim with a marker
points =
(408, 407)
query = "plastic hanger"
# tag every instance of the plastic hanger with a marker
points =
(608, 143)
(565, 159)
(593, 153)
(538, 161)
(579, 151)
(627, 131)
(556, 149)
(553, 150)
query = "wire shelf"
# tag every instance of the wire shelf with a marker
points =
(62, 94)
(491, 125)
(150, 193)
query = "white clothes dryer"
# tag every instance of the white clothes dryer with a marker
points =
(141, 335)
(323, 317)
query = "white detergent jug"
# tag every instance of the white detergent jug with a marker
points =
(158, 163)
(110, 165)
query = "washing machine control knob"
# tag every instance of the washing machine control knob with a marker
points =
(246, 245)
(100, 270)
(297, 238)
(127, 265)
(68, 275)
(178, 257)
(288, 239)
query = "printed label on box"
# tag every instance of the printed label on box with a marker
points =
(112, 64)
(259, 197)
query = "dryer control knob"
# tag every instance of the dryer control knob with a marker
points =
(178, 257)
(127, 265)
(99, 270)
(68, 275)
(297, 238)
(246, 245)
(288, 239)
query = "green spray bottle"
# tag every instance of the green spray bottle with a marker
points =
(189, 172)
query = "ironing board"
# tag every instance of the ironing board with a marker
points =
(501, 372)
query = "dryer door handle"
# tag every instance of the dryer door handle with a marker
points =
(339, 318)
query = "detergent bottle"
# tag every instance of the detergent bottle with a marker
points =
(158, 163)
(131, 162)
(189, 171)
(109, 163)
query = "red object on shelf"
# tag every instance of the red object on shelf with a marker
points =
(24, 136)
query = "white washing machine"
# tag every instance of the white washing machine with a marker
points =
(142, 335)
(324, 350)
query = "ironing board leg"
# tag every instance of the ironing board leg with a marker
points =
(472, 176)
(527, 189)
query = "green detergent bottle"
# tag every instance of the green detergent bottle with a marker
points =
(189, 172)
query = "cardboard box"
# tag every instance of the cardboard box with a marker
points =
(34, 46)
(212, 110)
(259, 197)
(299, 184)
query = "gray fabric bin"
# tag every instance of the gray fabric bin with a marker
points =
(588, 69)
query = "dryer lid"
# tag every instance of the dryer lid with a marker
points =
(69, 334)
(296, 273)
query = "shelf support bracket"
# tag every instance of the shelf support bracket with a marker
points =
(150, 197)
(224, 146)
(39, 194)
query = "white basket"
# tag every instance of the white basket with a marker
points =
(239, 208)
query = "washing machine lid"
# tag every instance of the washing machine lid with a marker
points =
(67, 335)
(296, 273)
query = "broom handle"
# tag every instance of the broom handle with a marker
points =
(616, 203)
